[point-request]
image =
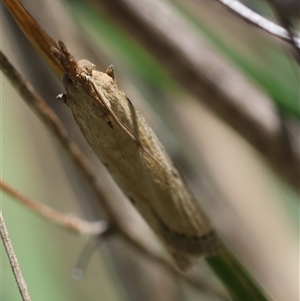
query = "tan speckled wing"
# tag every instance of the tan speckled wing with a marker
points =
(127, 146)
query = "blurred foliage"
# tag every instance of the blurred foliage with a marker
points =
(273, 67)
(99, 29)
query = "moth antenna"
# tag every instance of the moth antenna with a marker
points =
(66, 59)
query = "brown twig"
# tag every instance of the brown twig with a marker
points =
(13, 260)
(202, 72)
(34, 33)
(51, 120)
(68, 222)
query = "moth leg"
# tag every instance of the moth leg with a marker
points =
(62, 97)
(110, 72)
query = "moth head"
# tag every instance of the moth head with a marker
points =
(84, 69)
(86, 66)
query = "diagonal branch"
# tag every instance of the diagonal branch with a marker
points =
(281, 11)
(34, 33)
(248, 15)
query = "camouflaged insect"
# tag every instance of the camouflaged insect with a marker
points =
(127, 146)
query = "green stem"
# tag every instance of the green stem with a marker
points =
(236, 280)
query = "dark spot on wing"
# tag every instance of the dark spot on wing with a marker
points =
(105, 164)
(110, 124)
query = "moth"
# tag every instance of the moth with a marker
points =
(128, 147)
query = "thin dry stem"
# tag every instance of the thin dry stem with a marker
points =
(68, 222)
(251, 17)
(34, 33)
(57, 129)
(13, 260)
(281, 12)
